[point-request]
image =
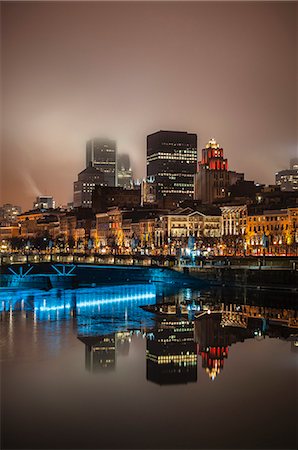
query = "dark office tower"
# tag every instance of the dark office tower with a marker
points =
(101, 154)
(172, 160)
(88, 179)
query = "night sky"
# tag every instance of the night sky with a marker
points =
(71, 71)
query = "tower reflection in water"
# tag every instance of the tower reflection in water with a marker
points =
(171, 356)
(175, 345)
(105, 319)
(101, 351)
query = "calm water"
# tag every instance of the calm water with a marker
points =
(91, 369)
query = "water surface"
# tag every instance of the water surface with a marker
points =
(91, 369)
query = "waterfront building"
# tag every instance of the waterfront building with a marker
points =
(101, 154)
(44, 202)
(8, 232)
(76, 226)
(88, 179)
(213, 177)
(150, 232)
(274, 232)
(38, 223)
(179, 225)
(233, 220)
(124, 172)
(117, 228)
(9, 213)
(288, 179)
(171, 161)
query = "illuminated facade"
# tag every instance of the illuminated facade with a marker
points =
(77, 227)
(274, 231)
(148, 191)
(101, 154)
(171, 160)
(234, 220)
(185, 222)
(9, 213)
(213, 177)
(36, 223)
(9, 232)
(44, 202)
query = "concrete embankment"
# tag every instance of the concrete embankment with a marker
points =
(258, 277)
(47, 276)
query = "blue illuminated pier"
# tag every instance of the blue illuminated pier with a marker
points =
(52, 276)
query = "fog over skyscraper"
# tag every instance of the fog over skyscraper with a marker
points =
(101, 154)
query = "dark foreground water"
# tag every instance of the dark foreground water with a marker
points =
(91, 369)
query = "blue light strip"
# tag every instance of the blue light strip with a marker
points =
(52, 308)
(115, 300)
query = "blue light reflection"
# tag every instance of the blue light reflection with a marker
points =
(100, 310)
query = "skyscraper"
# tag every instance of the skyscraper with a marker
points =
(101, 154)
(213, 176)
(171, 160)
(124, 172)
(85, 185)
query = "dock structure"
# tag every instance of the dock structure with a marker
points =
(49, 275)
(72, 270)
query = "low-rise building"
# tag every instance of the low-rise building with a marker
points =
(9, 232)
(233, 220)
(9, 213)
(185, 222)
(36, 223)
(274, 232)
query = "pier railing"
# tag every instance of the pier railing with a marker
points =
(249, 262)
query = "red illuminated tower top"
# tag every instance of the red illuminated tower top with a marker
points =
(212, 157)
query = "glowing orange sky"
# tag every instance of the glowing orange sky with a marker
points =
(71, 71)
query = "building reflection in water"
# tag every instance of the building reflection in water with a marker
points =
(171, 356)
(101, 351)
(216, 331)
(105, 319)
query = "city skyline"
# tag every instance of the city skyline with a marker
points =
(212, 84)
(148, 223)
